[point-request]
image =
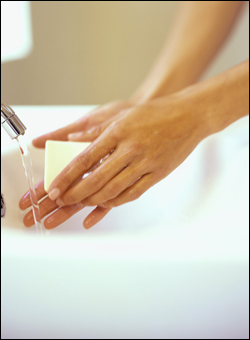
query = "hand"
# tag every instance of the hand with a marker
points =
(89, 126)
(149, 142)
(60, 214)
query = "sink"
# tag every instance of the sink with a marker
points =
(173, 264)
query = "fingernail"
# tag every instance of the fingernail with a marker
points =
(60, 202)
(54, 194)
(74, 135)
(28, 219)
(26, 196)
(48, 223)
(24, 200)
(87, 223)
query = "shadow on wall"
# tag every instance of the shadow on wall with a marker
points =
(91, 52)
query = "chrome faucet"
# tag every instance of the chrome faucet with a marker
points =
(14, 127)
(10, 122)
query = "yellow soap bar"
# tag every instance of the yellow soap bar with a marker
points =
(57, 156)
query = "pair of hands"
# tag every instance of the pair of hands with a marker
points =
(146, 143)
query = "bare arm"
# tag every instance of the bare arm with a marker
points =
(200, 29)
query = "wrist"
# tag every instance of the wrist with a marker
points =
(219, 101)
(159, 84)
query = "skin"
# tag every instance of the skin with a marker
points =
(151, 134)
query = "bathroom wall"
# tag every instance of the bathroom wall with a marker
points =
(91, 52)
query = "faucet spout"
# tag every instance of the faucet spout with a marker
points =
(10, 122)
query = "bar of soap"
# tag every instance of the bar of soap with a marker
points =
(57, 156)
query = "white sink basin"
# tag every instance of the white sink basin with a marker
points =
(173, 264)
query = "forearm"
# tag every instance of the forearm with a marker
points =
(220, 100)
(200, 29)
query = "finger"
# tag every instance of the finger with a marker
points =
(132, 193)
(89, 135)
(62, 133)
(96, 179)
(95, 216)
(96, 117)
(115, 186)
(61, 215)
(107, 111)
(45, 207)
(81, 164)
(25, 202)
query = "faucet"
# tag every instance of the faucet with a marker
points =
(14, 127)
(10, 122)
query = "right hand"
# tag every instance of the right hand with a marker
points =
(90, 126)
(60, 214)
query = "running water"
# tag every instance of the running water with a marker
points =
(27, 164)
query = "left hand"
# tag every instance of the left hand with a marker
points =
(148, 143)
(89, 125)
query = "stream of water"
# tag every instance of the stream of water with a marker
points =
(27, 164)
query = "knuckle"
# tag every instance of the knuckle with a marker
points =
(134, 194)
(91, 202)
(87, 121)
(115, 131)
(137, 146)
(69, 199)
(112, 190)
(96, 131)
(144, 163)
(96, 181)
(84, 161)
(65, 181)
(111, 204)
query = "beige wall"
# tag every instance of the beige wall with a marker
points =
(91, 52)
